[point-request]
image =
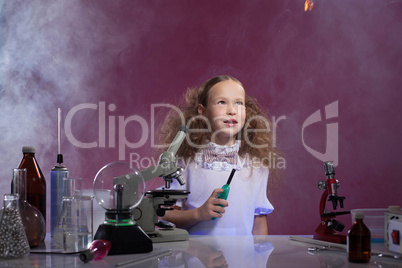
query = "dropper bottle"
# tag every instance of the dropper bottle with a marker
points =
(359, 240)
(57, 174)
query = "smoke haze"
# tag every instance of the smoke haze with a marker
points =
(132, 54)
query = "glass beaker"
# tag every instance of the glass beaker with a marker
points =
(98, 211)
(32, 219)
(74, 229)
(72, 187)
(13, 240)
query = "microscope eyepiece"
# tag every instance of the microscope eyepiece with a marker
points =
(329, 169)
(181, 180)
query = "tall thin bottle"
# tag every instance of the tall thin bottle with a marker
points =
(359, 240)
(57, 174)
(36, 183)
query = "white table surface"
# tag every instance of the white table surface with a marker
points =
(217, 251)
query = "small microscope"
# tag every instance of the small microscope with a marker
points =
(157, 202)
(328, 228)
(131, 230)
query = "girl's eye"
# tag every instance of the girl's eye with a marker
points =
(221, 102)
(239, 103)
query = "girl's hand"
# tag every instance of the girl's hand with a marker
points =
(210, 208)
(209, 256)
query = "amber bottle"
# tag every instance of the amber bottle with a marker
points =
(36, 183)
(359, 240)
(32, 219)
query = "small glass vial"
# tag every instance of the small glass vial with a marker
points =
(359, 240)
(13, 240)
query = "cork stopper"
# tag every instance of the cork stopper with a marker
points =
(86, 256)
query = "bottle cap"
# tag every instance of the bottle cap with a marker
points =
(86, 256)
(359, 215)
(60, 159)
(28, 150)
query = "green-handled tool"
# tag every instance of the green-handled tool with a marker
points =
(226, 189)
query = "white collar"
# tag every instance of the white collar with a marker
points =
(219, 149)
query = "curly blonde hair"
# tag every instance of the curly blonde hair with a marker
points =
(257, 144)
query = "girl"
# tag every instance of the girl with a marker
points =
(226, 130)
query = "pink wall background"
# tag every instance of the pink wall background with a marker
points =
(135, 54)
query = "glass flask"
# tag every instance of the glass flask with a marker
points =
(36, 183)
(13, 241)
(32, 219)
(97, 251)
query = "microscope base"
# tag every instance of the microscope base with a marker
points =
(168, 235)
(325, 234)
(127, 239)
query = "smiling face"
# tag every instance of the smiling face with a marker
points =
(225, 111)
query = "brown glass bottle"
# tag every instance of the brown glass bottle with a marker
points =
(359, 240)
(36, 183)
(32, 219)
